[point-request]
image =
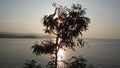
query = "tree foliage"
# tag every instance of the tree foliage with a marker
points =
(73, 62)
(46, 47)
(66, 24)
(31, 64)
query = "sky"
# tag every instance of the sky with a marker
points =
(24, 16)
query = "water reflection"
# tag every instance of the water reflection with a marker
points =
(102, 53)
(61, 56)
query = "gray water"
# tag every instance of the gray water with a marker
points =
(102, 53)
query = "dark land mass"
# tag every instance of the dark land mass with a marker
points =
(17, 35)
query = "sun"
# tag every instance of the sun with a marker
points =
(61, 54)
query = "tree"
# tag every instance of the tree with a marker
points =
(66, 24)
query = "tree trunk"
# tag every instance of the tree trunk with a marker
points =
(56, 57)
(56, 52)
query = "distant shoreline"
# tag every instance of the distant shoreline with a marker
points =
(36, 36)
(23, 36)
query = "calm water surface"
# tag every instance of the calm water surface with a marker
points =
(103, 53)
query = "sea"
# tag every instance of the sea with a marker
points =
(102, 53)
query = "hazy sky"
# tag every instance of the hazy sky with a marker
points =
(23, 16)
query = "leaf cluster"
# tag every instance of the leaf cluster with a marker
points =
(31, 64)
(46, 47)
(73, 62)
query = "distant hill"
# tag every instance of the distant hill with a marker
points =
(17, 35)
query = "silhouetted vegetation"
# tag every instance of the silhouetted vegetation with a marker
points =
(73, 62)
(66, 24)
(31, 64)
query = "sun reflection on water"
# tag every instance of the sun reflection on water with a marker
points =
(61, 56)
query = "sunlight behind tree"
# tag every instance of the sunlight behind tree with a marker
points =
(66, 24)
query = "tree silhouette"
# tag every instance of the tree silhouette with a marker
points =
(66, 24)
(76, 62)
(31, 64)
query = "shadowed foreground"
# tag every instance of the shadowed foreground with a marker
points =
(73, 62)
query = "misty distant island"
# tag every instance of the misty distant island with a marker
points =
(17, 35)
